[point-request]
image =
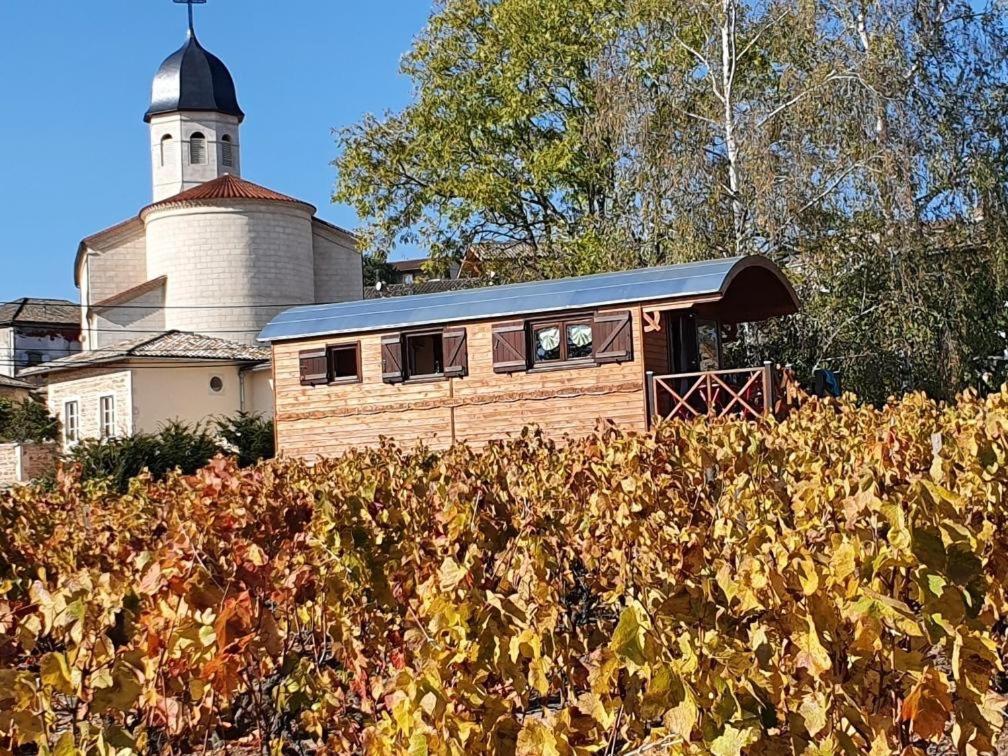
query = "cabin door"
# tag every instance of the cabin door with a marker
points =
(694, 344)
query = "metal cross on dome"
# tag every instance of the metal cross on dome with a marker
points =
(191, 3)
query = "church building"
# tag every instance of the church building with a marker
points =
(173, 297)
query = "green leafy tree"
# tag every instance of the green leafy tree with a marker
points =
(26, 421)
(858, 143)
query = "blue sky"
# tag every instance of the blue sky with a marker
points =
(76, 81)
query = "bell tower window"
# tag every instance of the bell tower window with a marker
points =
(165, 145)
(197, 149)
(227, 151)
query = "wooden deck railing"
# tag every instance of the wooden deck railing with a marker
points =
(747, 392)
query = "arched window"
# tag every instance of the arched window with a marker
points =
(197, 149)
(227, 151)
(165, 145)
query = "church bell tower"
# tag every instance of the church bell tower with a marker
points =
(194, 119)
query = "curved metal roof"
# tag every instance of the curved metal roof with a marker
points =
(686, 281)
(192, 78)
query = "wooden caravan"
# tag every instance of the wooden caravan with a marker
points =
(480, 364)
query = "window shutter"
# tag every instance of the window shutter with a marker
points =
(509, 354)
(314, 370)
(392, 358)
(456, 353)
(612, 337)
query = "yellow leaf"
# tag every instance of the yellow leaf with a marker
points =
(55, 672)
(732, 741)
(812, 655)
(814, 710)
(628, 639)
(450, 574)
(65, 746)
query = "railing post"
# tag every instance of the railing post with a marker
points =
(768, 391)
(650, 405)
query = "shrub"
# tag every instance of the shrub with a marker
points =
(119, 460)
(26, 421)
(832, 583)
(248, 436)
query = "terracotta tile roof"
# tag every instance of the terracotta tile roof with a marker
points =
(170, 345)
(35, 310)
(226, 187)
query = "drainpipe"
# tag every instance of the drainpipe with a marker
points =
(241, 386)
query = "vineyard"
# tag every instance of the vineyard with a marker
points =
(832, 583)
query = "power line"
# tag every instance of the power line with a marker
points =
(170, 307)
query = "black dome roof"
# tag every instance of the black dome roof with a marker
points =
(192, 78)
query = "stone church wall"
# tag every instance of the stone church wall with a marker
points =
(254, 259)
(339, 275)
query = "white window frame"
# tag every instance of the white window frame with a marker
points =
(107, 425)
(69, 438)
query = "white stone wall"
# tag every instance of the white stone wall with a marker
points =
(172, 172)
(339, 276)
(140, 317)
(7, 352)
(121, 264)
(182, 393)
(86, 387)
(252, 258)
(33, 342)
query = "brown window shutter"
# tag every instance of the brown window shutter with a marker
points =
(314, 368)
(612, 337)
(456, 353)
(509, 352)
(392, 358)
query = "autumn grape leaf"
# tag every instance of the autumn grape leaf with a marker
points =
(628, 639)
(928, 706)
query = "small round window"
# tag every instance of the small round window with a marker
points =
(216, 384)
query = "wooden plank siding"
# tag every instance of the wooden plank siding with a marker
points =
(313, 421)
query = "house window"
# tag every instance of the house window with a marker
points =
(561, 341)
(227, 150)
(573, 341)
(197, 149)
(165, 145)
(106, 416)
(424, 355)
(33, 358)
(343, 362)
(71, 426)
(216, 384)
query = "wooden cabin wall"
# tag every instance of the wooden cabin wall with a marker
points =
(316, 421)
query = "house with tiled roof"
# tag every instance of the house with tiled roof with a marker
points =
(173, 297)
(34, 331)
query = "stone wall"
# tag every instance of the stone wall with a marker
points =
(21, 463)
(86, 387)
(254, 259)
(339, 276)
